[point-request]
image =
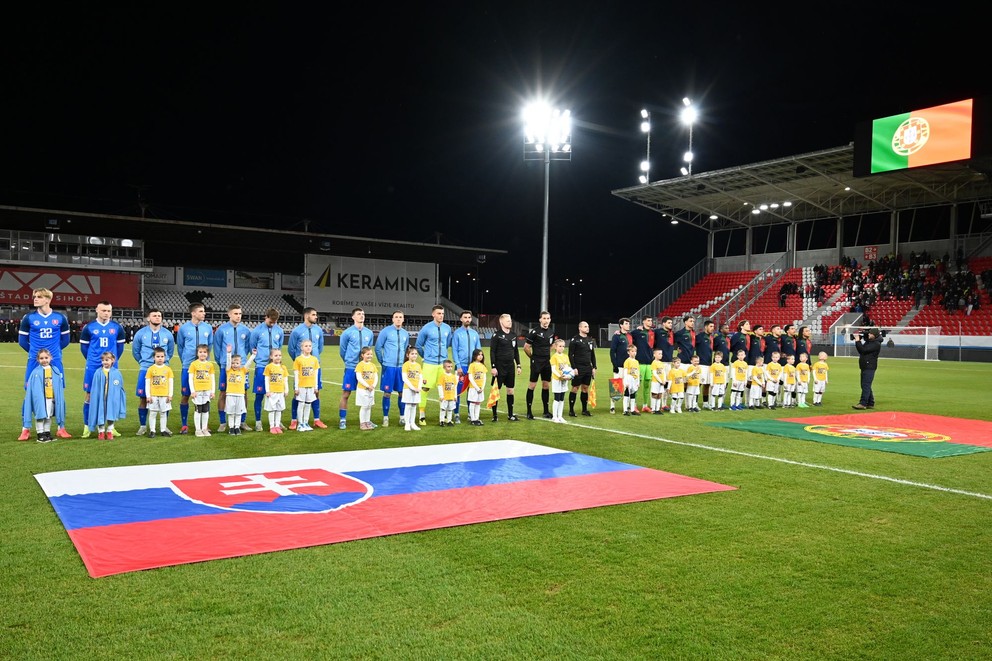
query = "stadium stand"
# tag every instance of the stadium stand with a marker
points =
(709, 293)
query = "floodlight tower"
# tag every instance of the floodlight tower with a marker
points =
(547, 137)
(646, 163)
(689, 116)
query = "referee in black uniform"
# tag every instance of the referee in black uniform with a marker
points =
(582, 357)
(537, 346)
(504, 356)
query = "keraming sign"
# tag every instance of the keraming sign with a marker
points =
(379, 286)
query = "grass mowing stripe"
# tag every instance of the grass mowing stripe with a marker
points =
(792, 462)
(751, 455)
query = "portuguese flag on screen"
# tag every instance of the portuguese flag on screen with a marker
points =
(922, 137)
(915, 434)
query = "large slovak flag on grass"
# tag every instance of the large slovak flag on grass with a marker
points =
(138, 517)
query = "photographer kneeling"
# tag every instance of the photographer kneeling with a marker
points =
(868, 351)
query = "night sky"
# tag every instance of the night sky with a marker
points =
(405, 123)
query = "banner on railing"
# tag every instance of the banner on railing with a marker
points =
(69, 288)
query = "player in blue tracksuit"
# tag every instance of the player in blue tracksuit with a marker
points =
(464, 341)
(311, 332)
(232, 333)
(353, 339)
(146, 340)
(43, 329)
(267, 336)
(433, 342)
(390, 351)
(191, 334)
(99, 336)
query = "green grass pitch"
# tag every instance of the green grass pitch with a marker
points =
(823, 552)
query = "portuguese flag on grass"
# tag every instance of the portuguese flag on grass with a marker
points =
(922, 137)
(914, 434)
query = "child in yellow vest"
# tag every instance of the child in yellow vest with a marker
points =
(802, 377)
(447, 393)
(676, 384)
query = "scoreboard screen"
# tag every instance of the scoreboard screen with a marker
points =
(939, 134)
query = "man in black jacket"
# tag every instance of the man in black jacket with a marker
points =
(868, 351)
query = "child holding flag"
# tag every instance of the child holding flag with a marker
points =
(44, 398)
(108, 402)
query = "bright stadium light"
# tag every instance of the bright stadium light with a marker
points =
(547, 137)
(646, 129)
(689, 115)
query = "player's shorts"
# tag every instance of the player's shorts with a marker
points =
(160, 404)
(350, 381)
(364, 397)
(307, 395)
(704, 375)
(756, 390)
(430, 374)
(584, 377)
(475, 396)
(200, 397)
(410, 396)
(692, 390)
(259, 383)
(657, 388)
(88, 377)
(184, 382)
(802, 387)
(772, 387)
(139, 388)
(631, 384)
(392, 380)
(646, 372)
(558, 385)
(738, 386)
(718, 389)
(790, 387)
(506, 375)
(819, 387)
(540, 369)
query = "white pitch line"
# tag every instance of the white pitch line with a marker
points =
(791, 462)
(751, 455)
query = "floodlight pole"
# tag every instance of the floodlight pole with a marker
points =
(544, 253)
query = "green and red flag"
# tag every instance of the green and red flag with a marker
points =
(922, 137)
(916, 434)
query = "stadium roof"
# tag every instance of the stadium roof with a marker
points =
(818, 185)
(169, 241)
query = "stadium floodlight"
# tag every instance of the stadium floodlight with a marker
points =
(547, 137)
(646, 129)
(688, 115)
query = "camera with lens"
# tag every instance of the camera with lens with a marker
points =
(879, 334)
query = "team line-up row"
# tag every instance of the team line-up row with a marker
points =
(401, 367)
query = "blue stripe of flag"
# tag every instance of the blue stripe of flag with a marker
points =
(121, 507)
